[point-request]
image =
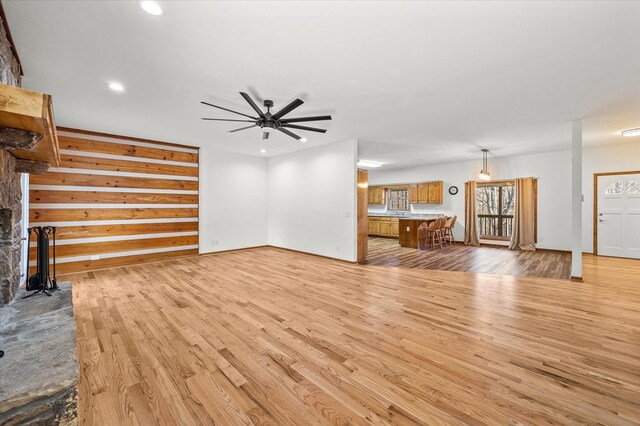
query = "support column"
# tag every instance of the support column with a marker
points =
(576, 201)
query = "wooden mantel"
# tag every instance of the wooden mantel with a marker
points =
(27, 128)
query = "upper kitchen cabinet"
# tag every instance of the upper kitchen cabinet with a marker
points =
(376, 195)
(435, 192)
(428, 193)
(423, 192)
(413, 193)
(418, 193)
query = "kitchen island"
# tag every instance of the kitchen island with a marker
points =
(408, 229)
(401, 226)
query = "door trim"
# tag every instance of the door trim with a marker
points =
(595, 203)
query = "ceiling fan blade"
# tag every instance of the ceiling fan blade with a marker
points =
(226, 109)
(286, 110)
(242, 128)
(253, 104)
(256, 95)
(301, 119)
(265, 135)
(229, 119)
(288, 133)
(311, 129)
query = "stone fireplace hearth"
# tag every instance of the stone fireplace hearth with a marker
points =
(39, 370)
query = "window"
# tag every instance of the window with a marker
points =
(495, 206)
(621, 186)
(398, 199)
(617, 187)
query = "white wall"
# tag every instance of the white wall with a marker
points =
(233, 201)
(300, 200)
(611, 158)
(554, 187)
(553, 169)
(312, 200)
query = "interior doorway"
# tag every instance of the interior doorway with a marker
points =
(617, 214)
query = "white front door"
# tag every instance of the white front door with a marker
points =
(619, 215)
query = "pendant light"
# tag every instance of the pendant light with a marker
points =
(484, 173)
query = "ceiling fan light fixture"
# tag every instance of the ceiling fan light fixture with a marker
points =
(631, 132)
(269, 122)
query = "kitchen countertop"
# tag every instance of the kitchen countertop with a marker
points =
(406, 217)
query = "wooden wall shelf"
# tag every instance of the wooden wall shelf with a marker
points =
(28, 111)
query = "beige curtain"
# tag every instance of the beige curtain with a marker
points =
(523, 234)
(470, 218)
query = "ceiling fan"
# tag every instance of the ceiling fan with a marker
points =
(269, 122)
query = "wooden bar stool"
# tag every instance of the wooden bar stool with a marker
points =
(433, 232)
(448, 229)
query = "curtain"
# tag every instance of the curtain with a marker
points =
(470, 218)
(523, 234)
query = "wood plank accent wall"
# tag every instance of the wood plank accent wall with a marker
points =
(117, 200)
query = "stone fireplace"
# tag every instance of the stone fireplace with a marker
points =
(10, 191)
(10, 227)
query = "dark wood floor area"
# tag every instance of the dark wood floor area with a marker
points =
(267, 336)
(483, 259)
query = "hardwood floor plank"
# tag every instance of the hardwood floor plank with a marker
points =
(268, 336)
(484, 259)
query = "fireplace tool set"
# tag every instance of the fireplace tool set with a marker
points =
(41, 281)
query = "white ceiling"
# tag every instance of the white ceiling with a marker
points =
(417, 82)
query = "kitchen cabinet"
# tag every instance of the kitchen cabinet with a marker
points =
(376, 195)
(395, 229)
(429, 193)
(435, 192)
(413, 193)
(385, 229)
(419, 193)
(374, 227)
(423, 192)
(383, 226)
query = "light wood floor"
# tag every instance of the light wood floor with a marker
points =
(267, 336)
(484, 259)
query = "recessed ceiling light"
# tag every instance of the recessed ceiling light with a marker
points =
(631, 132)
(263, 151)
(303, 139)
(367, 163)
(151, 7)
(116, 87)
